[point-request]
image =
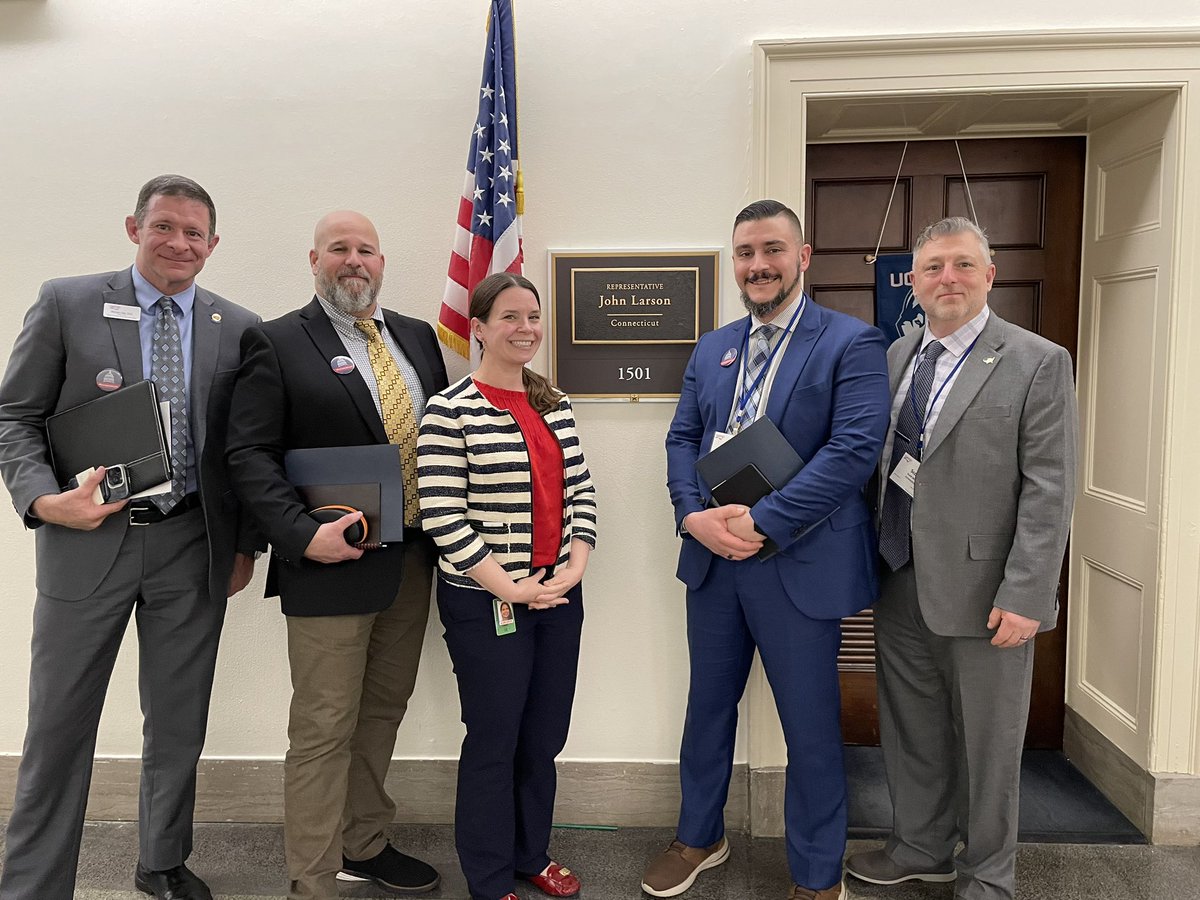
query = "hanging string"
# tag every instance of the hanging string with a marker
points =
(871, 257)
(966, 183)
(967, 186)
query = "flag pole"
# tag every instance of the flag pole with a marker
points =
(519, 190)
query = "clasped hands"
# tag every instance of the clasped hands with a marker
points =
(538, 594)
(727, 531)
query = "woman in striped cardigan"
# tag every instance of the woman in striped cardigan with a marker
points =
(506, 495)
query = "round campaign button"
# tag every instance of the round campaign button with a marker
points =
(729, 357)
(343, 365)
(108, 379)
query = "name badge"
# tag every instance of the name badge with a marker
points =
(719, 437)
(122, 311)
(905, 474)
(506, 620)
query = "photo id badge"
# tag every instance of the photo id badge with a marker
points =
(506, 620)
(905, 474)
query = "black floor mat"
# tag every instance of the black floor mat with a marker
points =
(1058, 805)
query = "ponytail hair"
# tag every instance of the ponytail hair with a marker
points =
(543, 396)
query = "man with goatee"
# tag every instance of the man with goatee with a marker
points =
(821, 378)
(341, 371)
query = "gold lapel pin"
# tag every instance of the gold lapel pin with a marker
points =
(216, 317)
(989, 360)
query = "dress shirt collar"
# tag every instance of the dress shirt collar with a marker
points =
(343, 322)
(958, 342)
(783, 315)
(147, 295)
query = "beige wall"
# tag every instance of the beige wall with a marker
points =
(636, 132)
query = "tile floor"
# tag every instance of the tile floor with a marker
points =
(244, 862)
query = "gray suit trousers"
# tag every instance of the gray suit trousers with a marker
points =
(161, 576)
(952, 715)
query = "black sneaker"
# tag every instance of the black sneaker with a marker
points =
(392, 870)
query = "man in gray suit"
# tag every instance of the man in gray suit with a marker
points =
(171, 560)
(979, 474)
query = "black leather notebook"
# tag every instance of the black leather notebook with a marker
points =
(748, 466)
(760, 444)
(121, 428)
(366, 477)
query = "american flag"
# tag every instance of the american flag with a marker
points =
(488, 235)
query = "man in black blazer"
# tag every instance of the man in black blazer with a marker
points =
(171, 563)
(342, 371)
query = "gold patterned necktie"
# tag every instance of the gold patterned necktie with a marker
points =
(399, 416)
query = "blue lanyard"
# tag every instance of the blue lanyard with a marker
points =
(923, 417)
(748, 392)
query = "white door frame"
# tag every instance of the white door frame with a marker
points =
(890, 71)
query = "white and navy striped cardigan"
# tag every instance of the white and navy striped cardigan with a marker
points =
(474, 480)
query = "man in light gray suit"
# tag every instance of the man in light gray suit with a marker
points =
(171, 561)
(979, 475)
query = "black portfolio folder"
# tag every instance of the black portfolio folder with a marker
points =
(121, 428)
(366, 477)
(748, 466)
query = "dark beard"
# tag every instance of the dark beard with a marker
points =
(762, 310)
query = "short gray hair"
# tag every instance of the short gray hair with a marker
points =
(952, 225)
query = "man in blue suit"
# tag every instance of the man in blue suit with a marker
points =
(821, 378)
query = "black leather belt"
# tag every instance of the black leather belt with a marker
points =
(146, 513)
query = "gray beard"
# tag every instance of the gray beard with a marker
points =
(761, 310)
(346, 300)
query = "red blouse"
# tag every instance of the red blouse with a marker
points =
(546, 471)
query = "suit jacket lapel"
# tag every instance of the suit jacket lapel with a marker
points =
(206, 341)
(971, 378)
(407, 339)
(125, 332)
(725, 382)
(902, 352)
(795, 356)
(329, 345)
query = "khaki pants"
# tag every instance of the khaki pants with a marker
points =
(351, 679)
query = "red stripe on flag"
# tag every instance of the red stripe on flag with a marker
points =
(481, 258)
(465, 211)
(453, 320)
(460, 269)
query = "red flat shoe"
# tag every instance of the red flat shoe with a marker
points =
(557, 881)
(510, 897)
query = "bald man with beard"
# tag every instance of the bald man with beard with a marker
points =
(341, 371)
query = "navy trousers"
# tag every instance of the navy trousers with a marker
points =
(516, 692)
(739, 606)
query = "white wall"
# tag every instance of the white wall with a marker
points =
(635, 132)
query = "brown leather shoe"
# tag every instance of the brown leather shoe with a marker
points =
(673, 871)
(837, 892)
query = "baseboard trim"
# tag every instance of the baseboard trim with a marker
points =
(1163, 806)
(236, 790)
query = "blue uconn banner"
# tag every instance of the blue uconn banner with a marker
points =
(896, 309)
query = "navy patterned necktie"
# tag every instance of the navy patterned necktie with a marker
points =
(166, 371)
(759, 354)
(895, 526)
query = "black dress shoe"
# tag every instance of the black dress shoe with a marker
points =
(178, 883)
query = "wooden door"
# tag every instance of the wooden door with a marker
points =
(1028, 196)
